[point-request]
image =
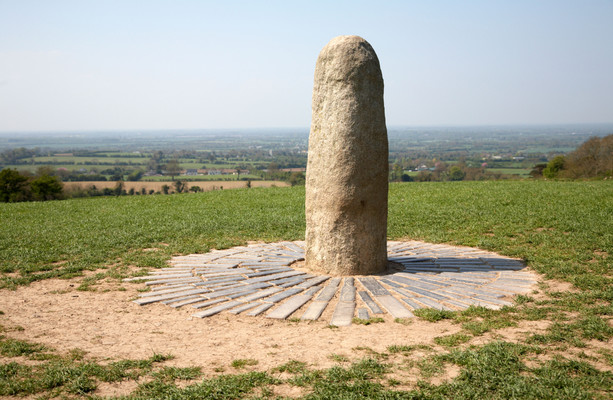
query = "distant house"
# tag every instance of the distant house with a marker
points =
(191, 172)
(225, 171)
(291, 170)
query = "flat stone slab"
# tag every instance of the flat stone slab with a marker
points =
(343, 313)
(289, 307)
(315, 310)
(251, 280)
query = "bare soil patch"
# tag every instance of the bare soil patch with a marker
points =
(108, 326)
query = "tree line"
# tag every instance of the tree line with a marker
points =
(15, 187)
(592, 160)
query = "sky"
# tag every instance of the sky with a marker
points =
(87, 65)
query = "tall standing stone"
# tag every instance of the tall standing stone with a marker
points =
(347, 169)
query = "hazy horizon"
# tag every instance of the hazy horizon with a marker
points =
(86, 66)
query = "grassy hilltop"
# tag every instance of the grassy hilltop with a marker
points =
(563, 230)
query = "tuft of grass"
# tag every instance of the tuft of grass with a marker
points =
(499, 369)
(433, 315)
(221, 387)
(403, 321)
(168, 374)
(57, 376)
(338, 358)
(590, 327)
(394, 349)
(292, 367)
(478, 328)
(451, 340)
(243, 362)
(15, 348)
(359, 321)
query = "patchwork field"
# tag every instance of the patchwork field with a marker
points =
(69, 328)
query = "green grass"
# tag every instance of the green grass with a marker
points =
(54, 239)
(375, 320)
(243, 362)
(433, 315)
(523, 172)
(563, 230)
(58, 375)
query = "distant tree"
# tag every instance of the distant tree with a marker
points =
(47, 187)
(63, 173)
(424, 176)
(195, 189)
(396, 172)
(13, 186)
(118, 190)
(165, 189)
(406, 178)
(135, 175)
(180, 186)
(554, 167)
(594, 158)
(456, 173)
(296, 178)
(45, 170)
(173, 168)
(537, 170)
(249, 184)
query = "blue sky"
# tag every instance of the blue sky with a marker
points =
(153, 64)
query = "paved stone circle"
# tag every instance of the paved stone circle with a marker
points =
(262, 279)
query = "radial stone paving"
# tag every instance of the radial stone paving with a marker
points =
(260, 280)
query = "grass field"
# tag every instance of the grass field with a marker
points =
(523, 172)
(563, 230)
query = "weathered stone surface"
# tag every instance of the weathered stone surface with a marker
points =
(149, 300)
(260, 309)
(283, 295)
(343, 313)
(451, 279)
(373, 286)
(216, 309)
(370, 303)
(347, 170)
(394, 307)
(363, 313)
(413, 304)
(315, 310)
(286, 309)
(244, 307)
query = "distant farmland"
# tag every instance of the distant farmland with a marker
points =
(157, 186)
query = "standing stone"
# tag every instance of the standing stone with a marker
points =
(347, 169)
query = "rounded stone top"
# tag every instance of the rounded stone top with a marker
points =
(345, 56)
